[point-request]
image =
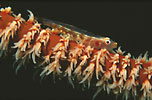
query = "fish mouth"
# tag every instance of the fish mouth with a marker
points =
(115, 45)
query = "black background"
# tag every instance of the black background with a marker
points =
(127, 23)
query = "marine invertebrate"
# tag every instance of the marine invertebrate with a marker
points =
(85, 56)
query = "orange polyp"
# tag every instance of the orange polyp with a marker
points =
(30, 21)
(128, 72)
(120, 62)
(146, 64)
(107, 65)
(5, 20)
(142, 76)
(111, 54)
(132, 63)
(72, 45)
(53, 40)
(25, 26)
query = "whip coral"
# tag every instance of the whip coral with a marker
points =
(85, 56)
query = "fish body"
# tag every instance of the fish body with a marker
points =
(80, 35)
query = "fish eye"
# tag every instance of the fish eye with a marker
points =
(107, 42)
